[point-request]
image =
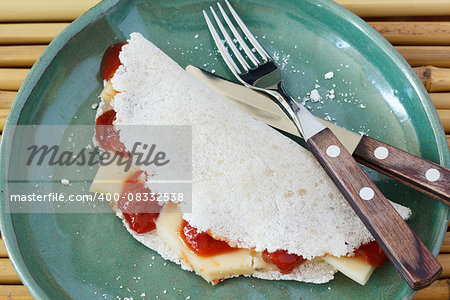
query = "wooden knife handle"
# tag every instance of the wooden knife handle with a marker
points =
(418, 173)
(412, 259)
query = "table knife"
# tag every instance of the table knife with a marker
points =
(420, 174)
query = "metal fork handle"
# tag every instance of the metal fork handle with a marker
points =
(284, 101)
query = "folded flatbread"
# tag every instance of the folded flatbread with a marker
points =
(251, 186)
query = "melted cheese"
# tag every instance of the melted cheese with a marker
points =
(109, 179)
(108, 92)
(211, 268)
(353, 268)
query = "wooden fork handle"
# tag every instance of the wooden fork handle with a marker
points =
(412, 259)
(418, 173)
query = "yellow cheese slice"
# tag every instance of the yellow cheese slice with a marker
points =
(109, 179)
(108, 92)
(211, 268)
(353, 268)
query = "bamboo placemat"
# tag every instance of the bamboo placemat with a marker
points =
(420, 30)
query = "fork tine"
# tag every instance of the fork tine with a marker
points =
(238, 37)
(230, 42)
(248, 34)
(223, 51)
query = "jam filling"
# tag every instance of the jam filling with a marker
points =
(110, 61)
(204, 244)
(201, 242)
(141, 216)
(285, 262)
(106, 134)
(371, 253)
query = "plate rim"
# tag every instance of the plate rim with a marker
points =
(32, 79)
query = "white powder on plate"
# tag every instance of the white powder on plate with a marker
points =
(315, 96)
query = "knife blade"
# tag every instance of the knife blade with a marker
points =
(420, 174)
(262, 108)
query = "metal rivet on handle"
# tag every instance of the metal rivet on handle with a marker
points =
(333, 151)
(432, 175)
(366, 193)
(381, 152)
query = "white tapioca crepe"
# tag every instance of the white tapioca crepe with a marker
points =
(251, 186)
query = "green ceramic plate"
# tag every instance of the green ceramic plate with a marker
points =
(87, 256)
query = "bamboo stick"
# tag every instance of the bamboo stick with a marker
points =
(440, 100)
(444, 260)
(6, 99)
(14, 292)
(31, 33)
(385, 8)
(417, 56)
(3, 115)
(434, 79)
(7, 273)
(446, 244)
(437, 56)
(414, 33)
(3, 252)
(43, 10)
(439, 290)
(11, 79)
(59, 10)
(444, 115)
(399, 33)
(20, 56)
(448, 140)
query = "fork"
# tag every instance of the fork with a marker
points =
(259, 72)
